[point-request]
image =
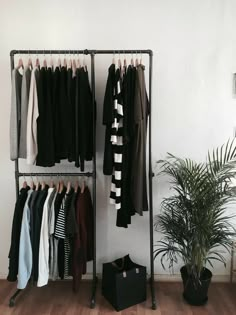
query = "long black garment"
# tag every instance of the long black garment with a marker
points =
(117, 139)
(108, 118)
(84, 118)
(71, 81)
(64, 116)
(56, 111)
(45, 122)
(61, 251)
(68, 243)
(71, 225)
(128, 126)
(38, 212)
(138, 171)
(57, 203)
(114, 117)
(15, 235)
(131, 185)
(127, 209)
(32, 202)
(91, 113)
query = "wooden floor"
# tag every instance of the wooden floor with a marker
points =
(58, 299)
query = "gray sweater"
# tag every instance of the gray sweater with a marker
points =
(15, 113)
(24, 110)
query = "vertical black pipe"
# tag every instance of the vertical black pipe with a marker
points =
(150, 184)
(12, 298)
(94, 181)
(16, 161)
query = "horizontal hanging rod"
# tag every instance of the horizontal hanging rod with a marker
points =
(50, 52)
(123, 51)
(87, 174)
(85, 51)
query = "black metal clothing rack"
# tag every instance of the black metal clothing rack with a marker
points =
(92, 174)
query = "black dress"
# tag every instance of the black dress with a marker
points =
(138, 169)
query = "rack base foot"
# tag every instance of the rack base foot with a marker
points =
(153, 296)
(154, 307)
(93, 298)
(12, 299)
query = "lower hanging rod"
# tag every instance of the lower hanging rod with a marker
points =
(87, 174)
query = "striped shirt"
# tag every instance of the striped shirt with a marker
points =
(60, 224)
(117, 143)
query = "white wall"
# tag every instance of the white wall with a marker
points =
(194, 46)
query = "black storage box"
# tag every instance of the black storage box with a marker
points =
(124, 283)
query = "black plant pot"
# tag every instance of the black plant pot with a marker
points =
(196, 293)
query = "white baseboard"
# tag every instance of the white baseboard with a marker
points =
(177, 278)
(157, 277)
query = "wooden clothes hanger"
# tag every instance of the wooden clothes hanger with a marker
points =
(114, 59)
(74, 64)
(45, 63)
(78, 65)
(32, 186)
(51, 183)
(24, 184)
(68, 187)
(59, 61)
(58, 187)
(83, 186)
(61, 186)
(141, 59)
(20, 64)
(30, 63)
(43, 185)
(51, 60)
(65, 62)
(125, 61)
(37, 185)
(76, 186)
(37, 63)
(132, 60)
(84, 63)
(119, 62)
(69, 64)
(136, 60)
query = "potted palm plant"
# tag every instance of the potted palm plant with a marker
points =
(193, 219)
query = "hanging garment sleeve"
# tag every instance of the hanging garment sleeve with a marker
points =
(25, 250)
(108, 118)
(15, 114)
(33, 113)
(15, 235)
(24, 111)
